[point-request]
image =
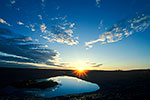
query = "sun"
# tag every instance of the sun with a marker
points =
(80, 72)
(80, 69)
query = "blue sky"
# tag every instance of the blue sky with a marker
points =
(68, 34)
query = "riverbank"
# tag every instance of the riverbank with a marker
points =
(115, 85)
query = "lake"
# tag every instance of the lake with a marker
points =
(66, 85)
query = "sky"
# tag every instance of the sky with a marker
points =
(71, 34)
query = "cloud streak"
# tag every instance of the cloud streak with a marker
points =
(19, 48)
(4, 22)
(94, 65)
(84, 65)
(122, 29)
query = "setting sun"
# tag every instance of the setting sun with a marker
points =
(80, 69)
(80, 72)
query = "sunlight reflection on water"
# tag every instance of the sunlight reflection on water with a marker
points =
(67, 85)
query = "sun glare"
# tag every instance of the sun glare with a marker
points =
(80, 72)
(80, 69)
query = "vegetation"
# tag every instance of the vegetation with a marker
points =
(35, 84)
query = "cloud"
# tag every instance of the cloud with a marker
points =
(20, 23)
(40, 16)
(98, 3)
(43, 28)
(72, 25)
(43, 3)
(19, 48)
(84, 65)
(5, 32)
(43, 0)
(11, 58)
(4, 22)
(69, 32)
(101, 26)
(61, 31)
(36, 40)
(31, 27)
(12, 64)
(122, 29)
(12, 2)
(91, 64)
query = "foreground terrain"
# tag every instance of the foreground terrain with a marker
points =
(115, 85)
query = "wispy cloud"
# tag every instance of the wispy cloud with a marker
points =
(61, 31)
(12, 1)
(98, 3)
(91, 64)
(31, 27)
(40, 16)
(4, 22)
(19, 48)
(56, 29)
(84, 65)
(122, 29)
(43, 3)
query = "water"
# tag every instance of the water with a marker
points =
(67, 85)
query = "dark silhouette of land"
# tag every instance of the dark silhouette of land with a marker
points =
(34, 84)
(114, 85)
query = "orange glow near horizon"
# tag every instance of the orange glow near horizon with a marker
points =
(80, 72)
